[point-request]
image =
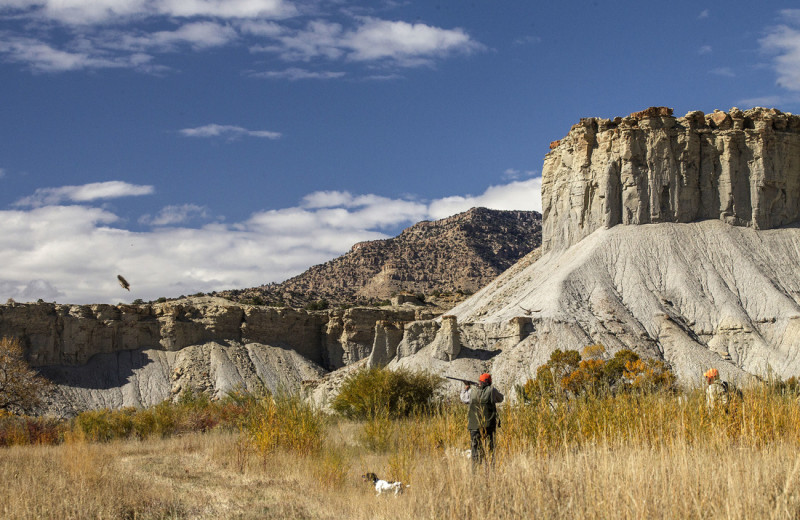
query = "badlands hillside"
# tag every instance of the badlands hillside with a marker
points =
(139, 355)
(453, 257)
(675, 237)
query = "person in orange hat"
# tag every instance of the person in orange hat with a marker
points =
(716, 390)
(482, 418)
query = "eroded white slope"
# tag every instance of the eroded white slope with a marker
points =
(699, 294)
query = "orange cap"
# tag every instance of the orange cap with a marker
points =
(485, 379)
(712, 373)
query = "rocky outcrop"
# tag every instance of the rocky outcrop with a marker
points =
(741, 167)
(146, 377)
(714, 283)
(674, 237)
(455, 255)
(447, 343)
(56, 334)
(131, 355)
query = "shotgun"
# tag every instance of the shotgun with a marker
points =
(465, 381)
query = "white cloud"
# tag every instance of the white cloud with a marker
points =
(84, 12)
(705, 49)
(404, 42)
(73, 253)
(172, 215)
(226, 8)
(399, 42)
(81, 12)
(783, 42)
(43, 57)
(518, 195)
(294, 74)
(705, 13)
(318, 39)
(2, 173)
(84, 193)
(261, 28)
(228, 131)
(327, 199)
(199, 35)
(118, 34)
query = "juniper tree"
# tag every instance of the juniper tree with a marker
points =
(20, 386)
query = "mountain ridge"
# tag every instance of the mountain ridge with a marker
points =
(457, 255)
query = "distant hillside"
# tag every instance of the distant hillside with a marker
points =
(454, 256)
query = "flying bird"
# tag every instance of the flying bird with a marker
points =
(528, 311)
(124, 283)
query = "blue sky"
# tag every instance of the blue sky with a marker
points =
(199, 145)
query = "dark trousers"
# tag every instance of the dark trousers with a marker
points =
(482, 439)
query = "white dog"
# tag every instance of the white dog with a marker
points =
(384, 485)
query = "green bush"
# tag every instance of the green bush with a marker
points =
(377, 391)
(319, 305)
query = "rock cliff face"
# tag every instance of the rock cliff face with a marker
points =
(461, 254)
(131, 355)
(675, 237)
(741, 167)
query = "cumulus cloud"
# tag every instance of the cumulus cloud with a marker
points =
(783, 42)
(373, 39)
(84, 193)
(517, 195)
(405, 42)
(41, 56)
(228, 131)
(74, 252)
(199, 35)
(119, 33)
(226, 8)
(84, 12)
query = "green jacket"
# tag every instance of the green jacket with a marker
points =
(482, 410)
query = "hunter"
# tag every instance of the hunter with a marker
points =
(482, 416)
(717, 391)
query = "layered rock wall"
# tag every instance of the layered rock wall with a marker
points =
(742, 167)
(72, 334)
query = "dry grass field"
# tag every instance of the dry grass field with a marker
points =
(651, 456)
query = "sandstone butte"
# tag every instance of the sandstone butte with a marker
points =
(675, 237)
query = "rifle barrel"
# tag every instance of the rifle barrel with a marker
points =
(462, 380)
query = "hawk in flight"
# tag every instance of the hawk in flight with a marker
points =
(124, 283)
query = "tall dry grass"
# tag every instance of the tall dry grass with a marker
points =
(661, 455)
